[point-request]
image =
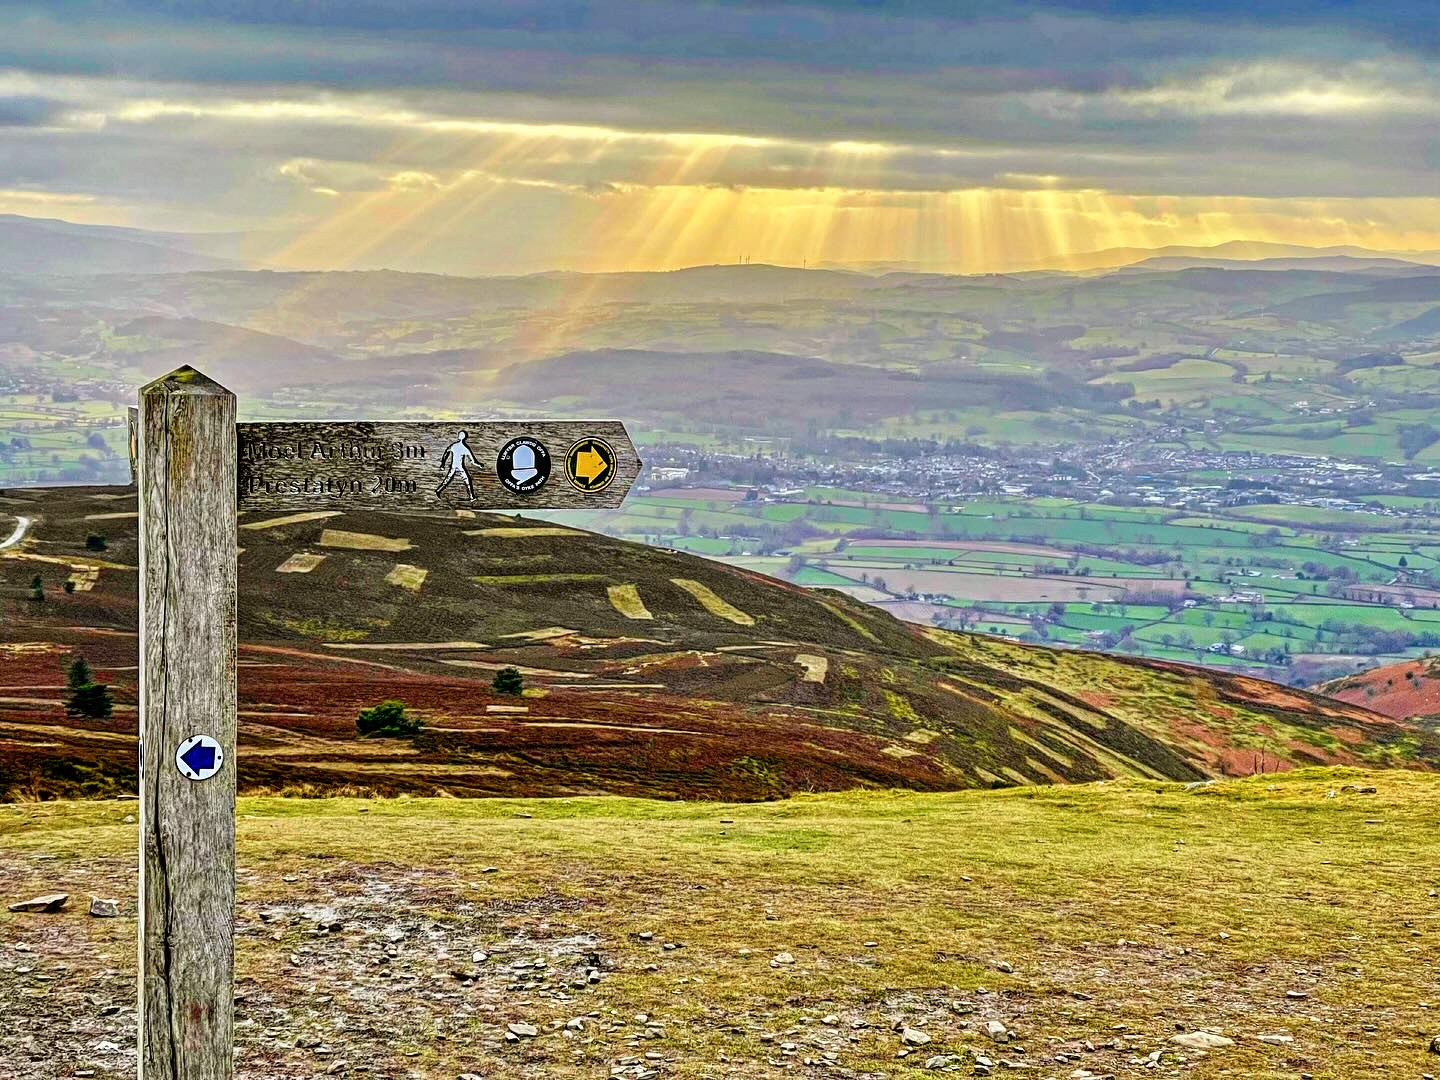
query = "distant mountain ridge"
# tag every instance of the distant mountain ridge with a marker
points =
(53, 246)
(1177, 257)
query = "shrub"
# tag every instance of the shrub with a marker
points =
(78, 674)
(95, 542)
(69, 586)
(509, 681)
(388, 719)
(91, 700)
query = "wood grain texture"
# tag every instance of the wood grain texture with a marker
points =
(187, 687)
(401, 466)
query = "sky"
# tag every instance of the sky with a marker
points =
(514, 137)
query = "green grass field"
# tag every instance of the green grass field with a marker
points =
(45, 441)
(1292, 914)
(1269, 580)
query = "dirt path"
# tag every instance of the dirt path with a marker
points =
(22, 526)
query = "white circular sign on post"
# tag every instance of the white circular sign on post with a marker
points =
(199, 757)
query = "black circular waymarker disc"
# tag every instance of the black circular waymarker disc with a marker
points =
(523, 465)
(590, 464)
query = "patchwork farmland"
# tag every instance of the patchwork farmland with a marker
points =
(1295, 593)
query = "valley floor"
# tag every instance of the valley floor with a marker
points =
(1294, 914)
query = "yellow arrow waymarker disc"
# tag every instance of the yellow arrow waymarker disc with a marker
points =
(590, 465)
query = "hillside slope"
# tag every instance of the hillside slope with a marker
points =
(1403, 691)
(46, 246)
(649, 672)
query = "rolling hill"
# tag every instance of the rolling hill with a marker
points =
(47, 246)
(1407, 691)
(648, 672)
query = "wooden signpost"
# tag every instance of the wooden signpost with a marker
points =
(485, 465)
(195, 469)
(187, 690)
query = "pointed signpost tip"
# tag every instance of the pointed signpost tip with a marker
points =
(183, 380)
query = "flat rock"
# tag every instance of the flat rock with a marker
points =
(101, 908)
(1202, 1040)
(51, 902)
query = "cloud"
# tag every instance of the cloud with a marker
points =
(269, 114)
(1280, 89)
(29, 111)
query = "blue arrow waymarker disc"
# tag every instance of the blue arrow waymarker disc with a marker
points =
(199, 757)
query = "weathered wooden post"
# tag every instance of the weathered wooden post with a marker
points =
(187, 489)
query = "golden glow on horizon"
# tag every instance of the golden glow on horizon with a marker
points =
(488, 197)
(676, 222)
(476, 195)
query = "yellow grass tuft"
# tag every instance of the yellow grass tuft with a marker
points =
(534, 579)
(626, 600)
(816, 667)
(291, 519)
(522, 531)
(412, 646)
(302, 562)
(545, 633)
(85, 577)
(407, 576)
(713, 603)
(339, 538)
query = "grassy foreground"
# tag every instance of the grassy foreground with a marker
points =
(401, 938)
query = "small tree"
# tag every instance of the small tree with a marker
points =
(78, 674)
(87, 697)
(387, 720)
(508, 680)
(92, 701)
(37, 588)
(95, 542)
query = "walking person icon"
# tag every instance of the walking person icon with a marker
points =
(453, 460)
